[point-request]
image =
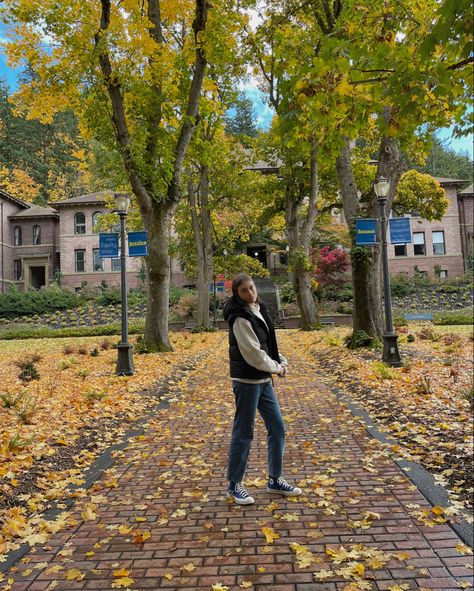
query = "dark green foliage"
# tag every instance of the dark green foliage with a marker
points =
(401, 285)
(27, 303)
(242, 123)
(200, 329)
(338, 293)
(443, 161)
(344, 308)
(287, 294)
(140, 346)
(44, 151)
(453, 318)
(358, 340)
(94, 352)
(411, 338)
(29, 371)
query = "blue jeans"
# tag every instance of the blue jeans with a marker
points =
(249, 398)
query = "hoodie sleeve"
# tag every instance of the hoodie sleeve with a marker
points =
(249, 346)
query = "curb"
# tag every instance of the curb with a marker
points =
(424, 481)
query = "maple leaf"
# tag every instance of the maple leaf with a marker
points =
(189, 567)
(323, 574)
(401, 587)
(219, 587)
(141, 536)
(270, 534)
(246, 584)
(74, 574)
(463, 549)
(122, 583)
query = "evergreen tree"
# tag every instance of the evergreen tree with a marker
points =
(243, 123)
(46, 152)
(443, 161)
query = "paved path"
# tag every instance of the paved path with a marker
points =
(172, 479)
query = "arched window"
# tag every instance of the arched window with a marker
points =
(17, 238)
(95, 221)
(36, 234)
(79, 223)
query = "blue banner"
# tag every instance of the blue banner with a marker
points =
(399, 230)
(366, 232)
(138, 244)
(108, 246)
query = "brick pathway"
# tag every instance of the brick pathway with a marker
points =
(172, 480)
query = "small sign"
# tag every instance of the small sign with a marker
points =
(366, 232)
(220, 287)
(108, 246)
(138, 244)
(400, 230)
(421, 316)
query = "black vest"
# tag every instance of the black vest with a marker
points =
(239, 368)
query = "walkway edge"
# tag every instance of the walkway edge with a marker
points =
(433, 492)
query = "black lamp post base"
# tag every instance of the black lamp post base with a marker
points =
(124, 365)
(391, 354)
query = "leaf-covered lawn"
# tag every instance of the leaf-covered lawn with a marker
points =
(423, 405)
(54, 426)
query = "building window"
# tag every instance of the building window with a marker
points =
(79, 223)
(80, 260)
(419, 247)
(95, 221)
(283, 258)
(17, 270)
(443, 274)
(17, 238)
(36, 234)
(400, 250)
(98, 262)
(116, 263)
(438, 243)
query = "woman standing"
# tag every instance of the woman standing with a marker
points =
(254, 356)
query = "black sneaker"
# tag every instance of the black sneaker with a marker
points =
(281, 486)
(239, 494)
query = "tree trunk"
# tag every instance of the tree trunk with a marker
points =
(367, 314)
(299, 232)
(201, 222)
(158, 272)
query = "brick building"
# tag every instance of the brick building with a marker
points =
(38, 244)
(437, 247)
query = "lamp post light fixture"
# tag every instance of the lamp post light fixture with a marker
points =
(124, 365)
(391, 354)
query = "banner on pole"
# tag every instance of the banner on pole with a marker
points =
(108, 246)
(138, 244)
(366, 232)
(400, 230)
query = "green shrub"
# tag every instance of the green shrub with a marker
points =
(28, 303)
(344, 308)
(338, 293)
(448, 318)
(109, 297)
(31, 332)
(411, 338)
(176, 293)
(287, 294)
(401, 285)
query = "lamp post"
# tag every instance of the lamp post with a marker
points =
(124, 365)
(224, 252)
(391, 354)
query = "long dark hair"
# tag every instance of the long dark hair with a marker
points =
(237, 282)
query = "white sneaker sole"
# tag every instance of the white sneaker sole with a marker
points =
(292, 493)
(247, 501)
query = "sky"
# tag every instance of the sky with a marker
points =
(262, 111)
